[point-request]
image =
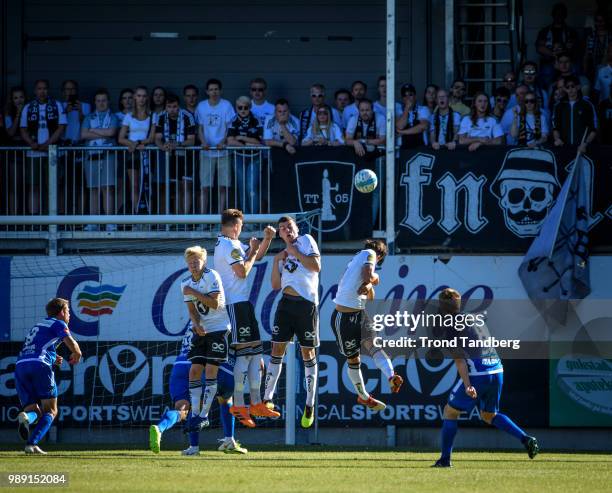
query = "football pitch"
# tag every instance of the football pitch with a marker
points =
(312, 470)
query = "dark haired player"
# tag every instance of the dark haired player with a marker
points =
(351, 324)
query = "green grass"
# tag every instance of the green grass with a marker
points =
(316, 470)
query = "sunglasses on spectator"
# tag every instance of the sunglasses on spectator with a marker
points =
(257, 89)
(529, 72)
(241, 108)
(530, 101)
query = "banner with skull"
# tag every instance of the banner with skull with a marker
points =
(494, 199)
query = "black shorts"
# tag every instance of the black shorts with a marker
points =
(244, 324)
(210, 347)
(350, 329)
(296, 316)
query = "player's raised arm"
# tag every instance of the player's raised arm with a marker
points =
(310, 262)
(243, 268)
(75, 350)
(269, 234)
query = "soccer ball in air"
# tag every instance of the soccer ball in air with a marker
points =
(366, 181)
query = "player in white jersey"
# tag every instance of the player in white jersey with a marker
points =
(234, 261)
(203, 293)
(351, 324)
(295, 270)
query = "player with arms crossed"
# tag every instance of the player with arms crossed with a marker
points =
(34, 376)
(482, 378)
(234, 261)
(351, 324)
(203, 293)
(295, 270)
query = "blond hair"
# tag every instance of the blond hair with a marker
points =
(196, 251)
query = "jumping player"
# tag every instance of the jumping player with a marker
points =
(234, 262)
(34, 376)
(482, 378)
(295, 270)
(351, 324)
(203, 293)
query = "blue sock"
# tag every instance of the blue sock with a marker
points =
(504, 423)
(194, 439)
(169, 419)
(449, 430)
(41, 429)
(227, 420)
(32, 416)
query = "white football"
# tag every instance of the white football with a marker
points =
(366, 181)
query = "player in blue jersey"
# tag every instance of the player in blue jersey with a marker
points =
(179, 392)
(34, 376)
(481, 373)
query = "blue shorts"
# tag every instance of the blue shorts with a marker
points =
(34, 381)
(488, 388)
(179, 382)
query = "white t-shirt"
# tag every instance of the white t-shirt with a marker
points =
(381, 126)
(333, 133)
(227, 253)
(295, 275)
(262, 111)
(43, 131)
(422, 113)
(484, 128)
(272, 128)
(73, 127)
(351, 280)
(603, 81)
(212, 320)
(137, 129)
(456, 121)
(215, 120)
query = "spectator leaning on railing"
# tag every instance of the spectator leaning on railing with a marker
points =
(308, 115)
(214, 116)
(323, 131)
(75, 110)
(366, 130)
(175, 130)
(412, 124)
(246, 130)
(529, 125)
(99, 129)
(444, 123)
(480, 128)
(42, 124)
(282, 129)
(136, 133)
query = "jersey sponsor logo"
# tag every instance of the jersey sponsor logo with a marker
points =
(275, 330)
(310, 335)
(244, 331)
(350, 345)
(290, 265)
(236, 254)
(326, 185)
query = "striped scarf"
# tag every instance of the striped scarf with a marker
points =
(522, 137)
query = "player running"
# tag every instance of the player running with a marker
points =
(34, 376)
(295, 270)
(481, 373)
(352, 326)
(234, 262)
(203, 293)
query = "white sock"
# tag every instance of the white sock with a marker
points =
(354, 373)
(255, 379)
(383, 363)
(209, 394)
(311, 370)
(274, 370)
(240, 374)
(195, 395)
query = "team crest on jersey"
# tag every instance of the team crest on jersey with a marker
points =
(236, 255)
(326, 185)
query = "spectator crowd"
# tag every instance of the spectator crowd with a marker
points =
(562, 99)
